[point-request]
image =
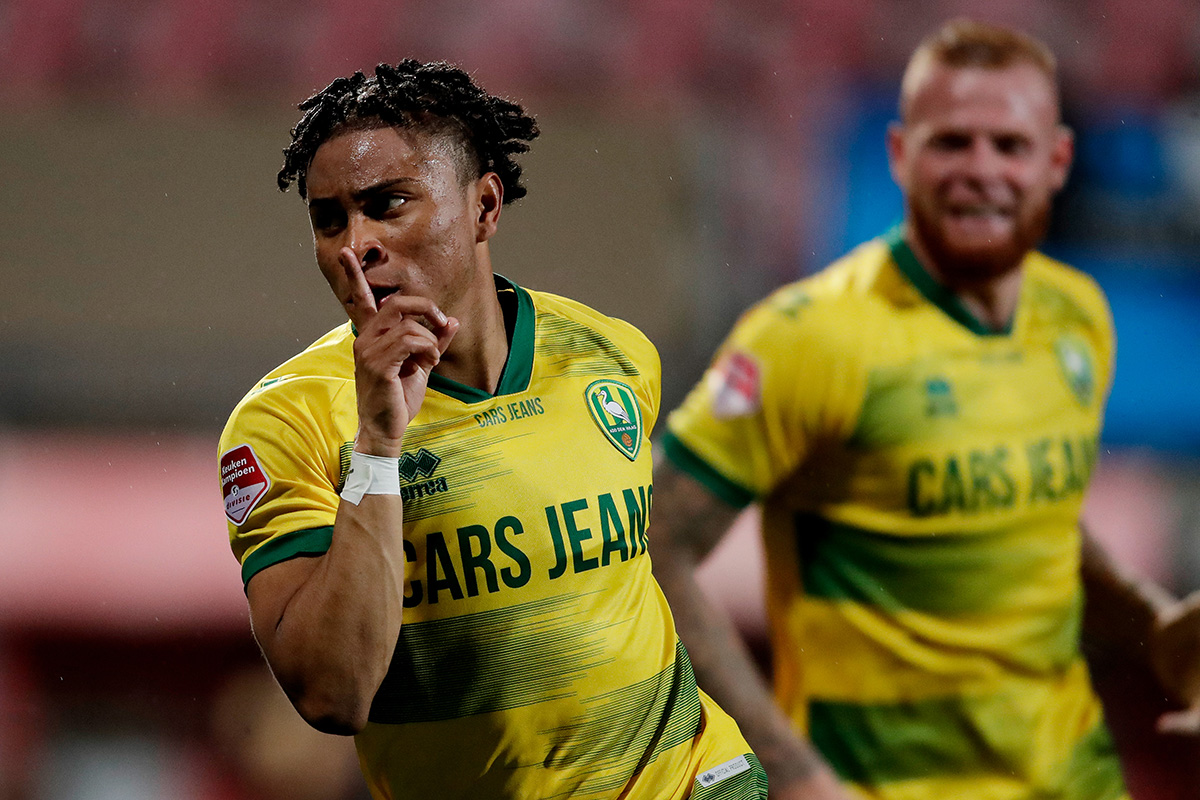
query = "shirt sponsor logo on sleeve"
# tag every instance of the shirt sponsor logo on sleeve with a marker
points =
(735, 385)
(243, 482)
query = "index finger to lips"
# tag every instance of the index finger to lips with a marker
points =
(360, 290)
(422, 308)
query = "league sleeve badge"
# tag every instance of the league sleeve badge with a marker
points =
(735, 385)
(243, 482)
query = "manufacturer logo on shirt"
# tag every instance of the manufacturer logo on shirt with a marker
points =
(617, 414)
(243, 482)
(735, 384)
(939, 398)
(420, 464)
(1075, 359)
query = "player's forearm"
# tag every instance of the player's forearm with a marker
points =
(726, 670)
(1120, 611)
(334, 640)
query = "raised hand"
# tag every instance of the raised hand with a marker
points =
(1175, 655)
(400, 340)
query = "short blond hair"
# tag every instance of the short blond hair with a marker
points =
(963, 43)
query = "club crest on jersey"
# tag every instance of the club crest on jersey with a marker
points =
(243, 482)
(735, 384)
(617, 414)
(1075, 359)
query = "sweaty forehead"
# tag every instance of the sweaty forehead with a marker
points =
(1016, 96)
(354, 160)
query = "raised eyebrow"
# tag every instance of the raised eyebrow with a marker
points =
(382, 186)
(362, 194)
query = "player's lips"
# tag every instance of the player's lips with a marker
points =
(985, 215)
(380, 292)
(980, 211)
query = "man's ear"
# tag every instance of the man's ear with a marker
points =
(1062, 156)
(897, 153)
(489, 199)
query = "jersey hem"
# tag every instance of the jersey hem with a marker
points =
(686, 460)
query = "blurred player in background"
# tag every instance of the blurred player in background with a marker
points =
(919, 422)
(440, 507)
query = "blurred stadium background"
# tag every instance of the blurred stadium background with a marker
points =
(695, 154)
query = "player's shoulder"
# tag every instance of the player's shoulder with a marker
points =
(1058, 289)
(844, 296)
(318, 373)
(1067, 279)
(559, 317)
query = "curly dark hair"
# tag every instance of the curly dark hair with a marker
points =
(434, 98)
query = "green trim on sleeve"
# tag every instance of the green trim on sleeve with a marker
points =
(311, 542)
(908, 264)
(682, 457)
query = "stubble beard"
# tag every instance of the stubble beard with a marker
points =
(960, 266)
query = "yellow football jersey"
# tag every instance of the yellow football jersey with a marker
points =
(537, 657)
(921, 480)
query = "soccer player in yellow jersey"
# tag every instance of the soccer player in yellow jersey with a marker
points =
(918, 423)
(440, 507)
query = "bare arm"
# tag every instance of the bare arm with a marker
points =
(1120, 611)
(328, 625)
(688, 522)
(1141, 619)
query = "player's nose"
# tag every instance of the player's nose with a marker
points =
(363, 237)
(982, 160)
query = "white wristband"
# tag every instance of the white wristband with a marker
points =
(370, 475)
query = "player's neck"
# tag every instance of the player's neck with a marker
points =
(477, 355)
(992, 301)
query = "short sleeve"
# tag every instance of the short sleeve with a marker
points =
(650, 381)
(788, 377)
(280, 463)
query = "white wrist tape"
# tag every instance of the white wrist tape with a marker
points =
(371, 475)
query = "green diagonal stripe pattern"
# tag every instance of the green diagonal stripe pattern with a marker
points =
(944, 573)
(476, 663)
(625, 730)
(873, 745)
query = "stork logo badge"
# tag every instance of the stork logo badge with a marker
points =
(1075, 360)
(617, 414)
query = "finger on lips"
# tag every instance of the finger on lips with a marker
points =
(360, 290)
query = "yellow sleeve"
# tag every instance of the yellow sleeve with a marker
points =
(650, 379)
(280, 464)
(790, 375)
(1106, 340)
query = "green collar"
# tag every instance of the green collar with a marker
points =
(518, 368)
(907, 262)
